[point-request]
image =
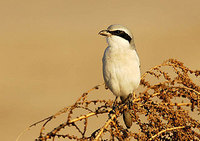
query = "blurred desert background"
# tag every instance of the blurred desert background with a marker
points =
(50, 51)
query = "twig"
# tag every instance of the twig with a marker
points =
(82, 117)
(34, 124)
(104, 127)
(169, 129)
(22, 133)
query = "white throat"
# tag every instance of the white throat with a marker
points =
(117, 42)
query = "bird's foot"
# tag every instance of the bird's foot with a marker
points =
(128, 101)
(115, 105)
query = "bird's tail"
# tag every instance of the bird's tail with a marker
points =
(126, 115)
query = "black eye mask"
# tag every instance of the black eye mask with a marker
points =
(121, 34)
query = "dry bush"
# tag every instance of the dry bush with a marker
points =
(166, 108)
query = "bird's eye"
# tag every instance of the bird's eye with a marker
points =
(118, 31)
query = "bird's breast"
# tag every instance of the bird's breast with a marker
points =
(121, 70)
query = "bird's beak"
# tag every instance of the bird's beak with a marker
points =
(104, 33)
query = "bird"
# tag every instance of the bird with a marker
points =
(121, 65)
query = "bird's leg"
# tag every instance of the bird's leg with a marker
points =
(113, 107)
(114, 103)
(128, 101)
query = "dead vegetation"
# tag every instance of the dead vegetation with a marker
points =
(169, 95)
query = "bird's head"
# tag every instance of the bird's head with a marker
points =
(118, 34)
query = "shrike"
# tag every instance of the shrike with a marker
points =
(121, 65)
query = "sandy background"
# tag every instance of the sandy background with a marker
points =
(50, 52)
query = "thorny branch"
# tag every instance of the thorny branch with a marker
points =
(167, 108)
